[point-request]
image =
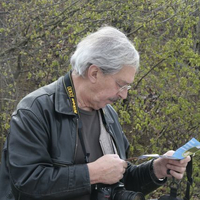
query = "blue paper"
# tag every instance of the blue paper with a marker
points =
(187, 149)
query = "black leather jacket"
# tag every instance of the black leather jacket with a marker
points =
(38, 156)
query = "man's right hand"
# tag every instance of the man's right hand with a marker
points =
(108, 169)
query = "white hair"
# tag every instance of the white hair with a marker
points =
(108, 48)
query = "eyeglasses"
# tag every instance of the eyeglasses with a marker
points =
(122, 88)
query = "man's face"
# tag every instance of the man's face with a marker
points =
(110, 88)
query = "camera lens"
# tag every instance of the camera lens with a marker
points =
(128, 195)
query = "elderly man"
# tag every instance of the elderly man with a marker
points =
(65, 140)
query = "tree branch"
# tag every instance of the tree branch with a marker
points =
(149, 72)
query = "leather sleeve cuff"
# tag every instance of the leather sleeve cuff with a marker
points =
(153, 176)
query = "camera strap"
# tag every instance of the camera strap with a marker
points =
(189, 179)
(87, 155)
(69, 87)
(173, 188)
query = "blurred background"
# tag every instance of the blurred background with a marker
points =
(162, 110)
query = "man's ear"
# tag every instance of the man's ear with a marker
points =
(93, 73)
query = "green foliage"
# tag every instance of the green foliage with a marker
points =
(162, 110)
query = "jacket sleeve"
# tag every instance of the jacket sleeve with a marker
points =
(32, 172)
(141, 178)
(138, 178)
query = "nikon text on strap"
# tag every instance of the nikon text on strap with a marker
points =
(69, 87)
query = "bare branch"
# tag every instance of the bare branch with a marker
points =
(156, 65)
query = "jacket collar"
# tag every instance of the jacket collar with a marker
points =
(62, 101)
(107, 115)
(63, 105)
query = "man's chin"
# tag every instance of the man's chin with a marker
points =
(113, 100)
(110, 101)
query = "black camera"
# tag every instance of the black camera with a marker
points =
(115, 192)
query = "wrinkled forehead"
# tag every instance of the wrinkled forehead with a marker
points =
(126, 75)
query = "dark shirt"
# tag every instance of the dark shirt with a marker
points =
(90, 133)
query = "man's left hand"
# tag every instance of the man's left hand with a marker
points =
(167, 167)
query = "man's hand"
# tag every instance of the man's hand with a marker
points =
(167, 167)
(108, 169)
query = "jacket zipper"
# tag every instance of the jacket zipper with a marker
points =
(61, 165)
(111, 135)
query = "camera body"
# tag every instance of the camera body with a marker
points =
(115, 192)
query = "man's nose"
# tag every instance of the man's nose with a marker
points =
(123, 94)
